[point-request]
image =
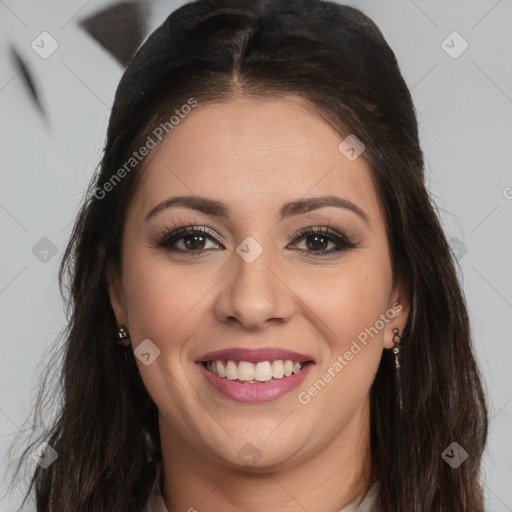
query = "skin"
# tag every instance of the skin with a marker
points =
(255, 155)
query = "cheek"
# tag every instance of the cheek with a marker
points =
(163, 305)
(348, 315)
(350, 298)
(159, 299)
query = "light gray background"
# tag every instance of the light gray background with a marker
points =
(464, 108)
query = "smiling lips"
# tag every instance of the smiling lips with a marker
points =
(271, 372)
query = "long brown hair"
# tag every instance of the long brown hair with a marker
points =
(334, 57)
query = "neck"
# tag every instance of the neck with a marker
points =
(328, 479)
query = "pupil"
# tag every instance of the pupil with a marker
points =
(316, 238)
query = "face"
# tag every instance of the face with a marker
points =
(256, 278)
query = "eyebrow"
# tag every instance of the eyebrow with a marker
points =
(221, 210)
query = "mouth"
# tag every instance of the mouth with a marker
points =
(247, 372)
(255, 375)
(240, 385)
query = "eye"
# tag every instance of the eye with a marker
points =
(193, 240)
(318, 238)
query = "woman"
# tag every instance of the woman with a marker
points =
(264, 308)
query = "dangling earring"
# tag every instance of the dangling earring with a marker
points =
(123, 336)
(398, 355)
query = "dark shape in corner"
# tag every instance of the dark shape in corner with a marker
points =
(120, 29)
(27, 78)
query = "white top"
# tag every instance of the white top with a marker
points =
(156, 502)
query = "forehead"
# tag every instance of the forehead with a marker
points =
(255, 153)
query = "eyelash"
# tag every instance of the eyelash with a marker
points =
(168, 239)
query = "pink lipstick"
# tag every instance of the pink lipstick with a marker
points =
(269, 380)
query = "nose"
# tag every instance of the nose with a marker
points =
(256, 294)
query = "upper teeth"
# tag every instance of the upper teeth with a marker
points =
(261, 372)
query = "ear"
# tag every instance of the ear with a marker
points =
(116, 294)
(397, 313)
